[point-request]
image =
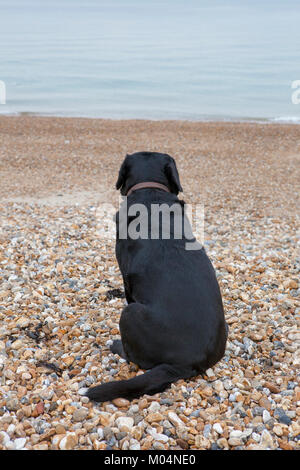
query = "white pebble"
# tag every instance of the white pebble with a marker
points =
(175, 420)
(19, 443)
(11, 429)
(218, 428)
(266, 416)
(134, 445)
(209, 373)
(157, 436)
(255, 436)
(154, 407)
(4, 438)
(236, 434)
(125, 423)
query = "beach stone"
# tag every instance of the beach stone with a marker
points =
(218, 428)
(143, 403)
(154, 417)
(284, 445)
(119, 435)
(218, 386)
(202, 442)
(39, 408)
(222, 443)
(203, 415)
(257, 411)
(281, 416)
(157, 445)
(167, 401)
(236, 434)
(124, 423)
(41, 446)
(12, 404)
(134, 445)
(137, 418)
(68, 441)
(210, 373)
(154, 407)
(265, 403)
(235, 441)
(183, 444)
(137, 432)
(174, 419)
(22, 322)
(266, 416)
(157, 436)
(19, 443)
(80, 414)
(4, 438)
(272, 387)
(266, 440)
(18, 344)
(277, 429)
(206, 430)
(121, 402)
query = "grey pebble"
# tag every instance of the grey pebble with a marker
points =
(166, 401)
(257, 411)
(12, 404)
(137, 419)
(206, 430)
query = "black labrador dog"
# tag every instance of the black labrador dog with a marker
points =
(174, 323)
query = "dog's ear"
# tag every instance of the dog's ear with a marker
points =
(122, 175)
(173, 176)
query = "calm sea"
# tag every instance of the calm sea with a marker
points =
(156, 59)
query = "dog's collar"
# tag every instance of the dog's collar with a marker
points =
(147, 184)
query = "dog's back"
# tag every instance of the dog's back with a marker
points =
(174, 321)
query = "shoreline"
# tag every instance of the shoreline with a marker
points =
(217, 119)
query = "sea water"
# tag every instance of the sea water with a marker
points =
(154, 59)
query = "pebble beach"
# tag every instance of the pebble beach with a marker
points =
(61, 292)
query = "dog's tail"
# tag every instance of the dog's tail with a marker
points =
(151, 382)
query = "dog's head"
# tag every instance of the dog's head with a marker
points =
(142, 167)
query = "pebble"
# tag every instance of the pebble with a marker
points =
(206, 430)
(266, 416)
(218, 428)
(272, 387)
(154, 407)
(12, 404)
(235, 441)
(80, 414)
(19, 443)
(56, 271)
(124, 423)
(134, 445)
(281, 416)
(222, 443)
(236, 434)
(154, 417)
(266, 440)
(121, 402)
(174, 419)
(68, 441)
(157, 436)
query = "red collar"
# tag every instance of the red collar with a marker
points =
(148, 184)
